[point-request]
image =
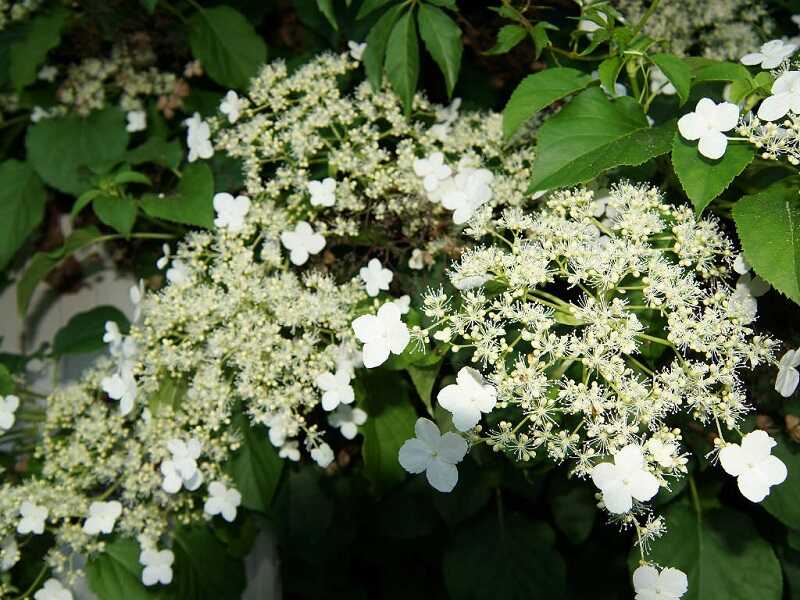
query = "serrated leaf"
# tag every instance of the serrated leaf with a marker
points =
(377, 40)
(704, 179)
(41, 34)
(402, 59)
(593, 134)
(22, 201)
(192, 204)
(768, 224)
(507, 38)
(116, 572)
(256, 467)
(326, 8)
(84, 332)
(118, 212)
(226, 43)
(442, 38)
(678, 73)
(539, 90)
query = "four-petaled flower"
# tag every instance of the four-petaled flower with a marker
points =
(434, 453)
(198, 138)
(625, 479)
(375, 277)
(770, 55)
(788, 375)
(356, 49)
(290, 450)
(136, 294)
(382, 333)
(53, 590)
(232, 106)
(121, 386)
(178, 273)
(222, 501)
(181, 470)
(102, 516)
(137, 121)
(9, 553)
(785, 97)
(302, 242)
(470, 191)
(323, 193)
(417, 260)
(8, 408)
(231, 211)
(337, 389)
(157, 566)
(753, 465)
(466, 399)
(432, 170)
(649, 584)
(33, 518)
(347, 419)
(707, 123)
(322, 455)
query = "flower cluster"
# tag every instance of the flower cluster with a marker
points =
(15, 11)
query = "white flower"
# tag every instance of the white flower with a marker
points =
(232, 106)
(302, 242)
(136, 293)
(157, 566)
(662, 452)
(222, 501)
(164, 260)
(8, 408)
(434, 453)
(619, 88)
(375, 277)
(403, 303)
(323, 193)
(178, 273)
(356, 49)
(417, 260)
(625, 479)
(347, 419)
(102, 516)
(322, 455)
(122, 387)
(470, 282)
(33, 517)
(755, 469)
(740, 264)
(48, 73)
(182, 469)
(432, 170)
(382, 333)
(290, 450)
(649, 584)
(785, 97)
(659, 84)
(448, 114)
(53, 590)
(137, 121)
(466, 399)
(337, 389)
(278, 423)
(707, 123)
(771, 54)
(469, 192)
(788, 375)
(9, 553)
(198, 138)
(231, 211)
(38, 114)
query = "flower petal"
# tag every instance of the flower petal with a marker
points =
(753, 485)
(786, 382)
(441, 475)
(367, 328)
(692, 126)
(775, 107)
(427, 431)
(674, 581)
(617, 498)
(452, 448)
(415, 456)
(774, 470)
(757, 445)
(645, 577)
(604, 474)
(375, 354)
(629, 459)
(643, 486)
(713, 145)
(732, 459)
(754, 58)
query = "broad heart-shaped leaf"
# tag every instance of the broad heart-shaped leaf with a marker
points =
(593, 134)
(539, 90)
(504, 556)
(402, 58)
(84, 332)
(203, 568)
(118, 212)
(157, 150)
(192, 204)
(768, 224)
(22, 199)
(390, 423)
(256, 467)
(678, 73)
(116, 572)
(704, 179)
(507, 38)
(43, 262)
(62, 149)
(721, 552)
(442, 38)
(226, 43)
(41, 34)
(377, 40)
(783, 501)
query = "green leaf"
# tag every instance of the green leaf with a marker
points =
(402, 59)
(768, 224)
(721, 552)
(156, 150)
(451, 4)
(704, 179)
(539, 90)
(678, 73)
(128, 176)
(368, 6)
(22, 200)
(496, 557)
(170, 395)
(118, 212)
(192, 204)
(593, 134)
(541, 39)
(226, 43)
(574, 507)
(84, 332)
(609, 72)
(6, 381)
(149, 5)
(423, 379)
(256, 467)
(203, 569)
(377, 40)
(507, 38)
(116, 572)
(783, 501)
(62, 149)
(704, 69)
(442, 38)
(390, 423)
(326, 8)
(43, 262)
(42, 33)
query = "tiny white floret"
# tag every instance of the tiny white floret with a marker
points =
(222, 501)
(466, 399)
(137, 121)
(322, 455)
(347, 419)
(32, 518)
(432, 170)
(337, 389)
(382, 334)
(375, 277)
(231, 212)
(102, 517)
(232, 106)
(302, 242)
(323, 193)
(356, 49)
(157, 566)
